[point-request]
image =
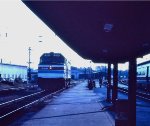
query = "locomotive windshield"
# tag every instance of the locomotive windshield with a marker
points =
(52, 59)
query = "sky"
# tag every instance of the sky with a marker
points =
(20, 29)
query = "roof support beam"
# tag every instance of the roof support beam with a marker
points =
(115, 83)
(109, 82)
(132, 92)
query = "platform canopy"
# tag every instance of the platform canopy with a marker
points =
(100, 31)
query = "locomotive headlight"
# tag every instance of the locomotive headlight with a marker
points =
(50, 67)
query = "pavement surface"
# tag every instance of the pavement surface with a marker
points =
(76, 106)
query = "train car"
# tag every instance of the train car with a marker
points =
(143, 75)
(54, 71)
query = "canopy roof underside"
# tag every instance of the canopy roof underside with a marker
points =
(100, 31)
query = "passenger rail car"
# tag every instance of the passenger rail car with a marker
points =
(143, 75)
(54, 71)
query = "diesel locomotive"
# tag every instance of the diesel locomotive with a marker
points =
(54, 71)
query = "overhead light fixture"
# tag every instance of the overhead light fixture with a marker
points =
(145, 44)
(104, 50)
(108, 27)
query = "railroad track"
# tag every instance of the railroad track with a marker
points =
(142, 95)
(10, 109)
(15, 89)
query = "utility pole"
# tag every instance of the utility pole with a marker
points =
(29, 69)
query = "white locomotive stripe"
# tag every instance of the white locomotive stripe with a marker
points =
(51, 71)
(51, 65)
(48, 75)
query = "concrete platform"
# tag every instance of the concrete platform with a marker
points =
(76, 106)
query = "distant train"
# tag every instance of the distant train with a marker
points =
(54, 71)
(143, 75)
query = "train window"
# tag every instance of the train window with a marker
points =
(56, 54)
(138, 73)
(52, 60)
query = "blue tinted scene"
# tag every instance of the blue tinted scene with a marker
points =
(74, 63)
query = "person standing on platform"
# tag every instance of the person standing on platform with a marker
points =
(100, 82)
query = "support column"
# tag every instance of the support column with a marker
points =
(115, 84)
(132, 92)
(109, 83)
(147, 73)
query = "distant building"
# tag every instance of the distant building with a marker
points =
(81, 73)
(11, 72)
(74, 73)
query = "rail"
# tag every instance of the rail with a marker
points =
(19, 99)
(5, 115)
(141, 95)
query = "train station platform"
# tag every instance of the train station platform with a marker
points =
(76, 106)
